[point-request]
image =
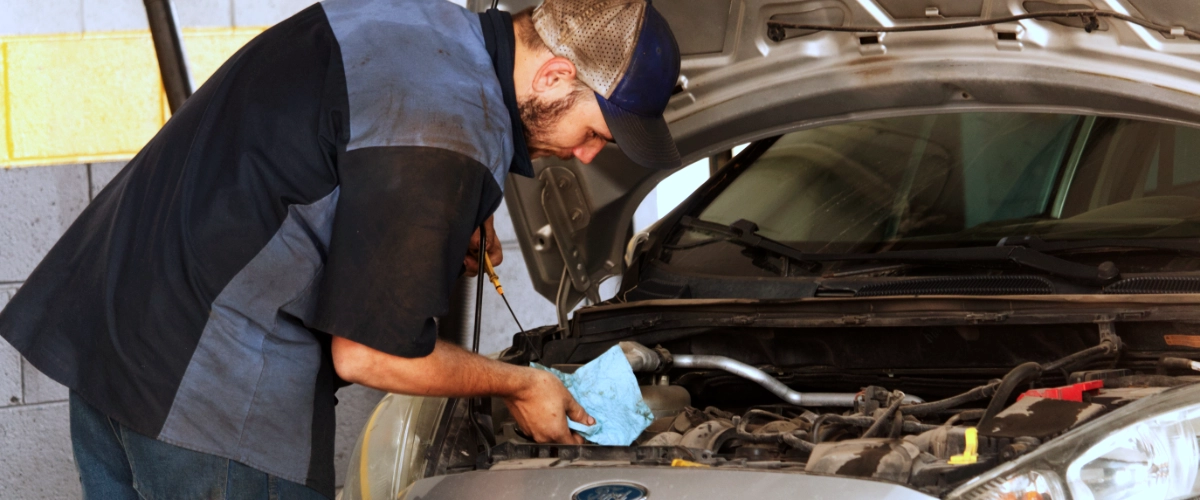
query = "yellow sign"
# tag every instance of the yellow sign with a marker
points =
(92, 97)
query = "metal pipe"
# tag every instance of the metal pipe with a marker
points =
(168, 46)
(1169, 363)
(838, 399)
(640, 357)
(479, 289)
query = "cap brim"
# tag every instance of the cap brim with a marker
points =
(645, 140)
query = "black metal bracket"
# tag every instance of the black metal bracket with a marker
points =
(168, 46)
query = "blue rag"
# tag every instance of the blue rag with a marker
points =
(607, 389)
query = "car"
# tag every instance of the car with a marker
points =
(960, 258)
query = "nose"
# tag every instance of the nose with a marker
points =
(588, 151)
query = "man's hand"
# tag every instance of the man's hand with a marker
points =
(540, 407)
(537, 399)
(493, 249)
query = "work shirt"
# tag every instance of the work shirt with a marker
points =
(324, 181)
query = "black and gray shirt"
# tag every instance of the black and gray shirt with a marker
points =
(326, 180)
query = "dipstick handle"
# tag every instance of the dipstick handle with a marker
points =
(491, 272)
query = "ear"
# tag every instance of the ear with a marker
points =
(556, 72)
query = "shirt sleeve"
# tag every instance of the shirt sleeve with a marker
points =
(404, 219)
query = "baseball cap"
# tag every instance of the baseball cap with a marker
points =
(624, 51)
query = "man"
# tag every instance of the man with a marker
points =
(302, 218)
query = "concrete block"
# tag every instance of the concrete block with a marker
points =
(504, 226)
(354, 407)
(531, 309)
(10, 375)
(10, 379)
(498, 327)
(41, 17)
(248, 13)
(38, 387)
(102, 174)
(114, 15)
(6, 292)
(37, 461)
(121, 15)
(38, 204)
(204, 13)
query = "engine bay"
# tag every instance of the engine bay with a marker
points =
(926, 407)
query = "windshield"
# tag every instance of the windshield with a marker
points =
(968, 179)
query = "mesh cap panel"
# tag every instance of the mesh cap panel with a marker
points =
(598, 36)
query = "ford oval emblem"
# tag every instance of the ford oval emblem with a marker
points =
(611, 491)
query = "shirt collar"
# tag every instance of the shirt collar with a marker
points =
(501, 46)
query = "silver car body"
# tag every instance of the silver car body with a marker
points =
(675, 483)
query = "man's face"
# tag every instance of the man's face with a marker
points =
(565, 123)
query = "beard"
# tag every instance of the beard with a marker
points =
(541, 117)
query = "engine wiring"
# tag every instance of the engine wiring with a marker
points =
(896, 418)
(877, 425)
(1109, 345)
(893, 416)
(929, 447)
(1089, 17)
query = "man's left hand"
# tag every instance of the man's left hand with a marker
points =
(495, 253)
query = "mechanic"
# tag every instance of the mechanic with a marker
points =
(301, 220)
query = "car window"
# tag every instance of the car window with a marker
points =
(1139, 172)
(967, 178)
(1010, 162)
(841, 187)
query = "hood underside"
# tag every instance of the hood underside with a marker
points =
(745, 78)
(883, 312)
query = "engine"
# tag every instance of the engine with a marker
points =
(720, 411)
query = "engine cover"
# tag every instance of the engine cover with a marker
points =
(878, 458)
(1038, 417)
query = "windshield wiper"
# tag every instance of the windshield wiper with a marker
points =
(1180, 245)
(745, 233)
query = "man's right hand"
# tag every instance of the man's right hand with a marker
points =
(540, 407)
(536, 398)
(494, 250)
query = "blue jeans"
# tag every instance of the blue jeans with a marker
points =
(116, 463)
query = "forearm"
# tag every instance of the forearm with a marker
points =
(449, 371)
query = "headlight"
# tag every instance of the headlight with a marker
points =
(1148, 449)
(391, 451)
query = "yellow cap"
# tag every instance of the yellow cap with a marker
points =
(971, 451)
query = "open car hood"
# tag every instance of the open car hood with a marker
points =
(743, 80)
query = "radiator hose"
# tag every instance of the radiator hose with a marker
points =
(644, 359)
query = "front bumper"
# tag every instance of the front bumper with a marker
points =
(660, 483)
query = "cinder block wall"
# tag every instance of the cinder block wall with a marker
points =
(39, 203)
(35, 449)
